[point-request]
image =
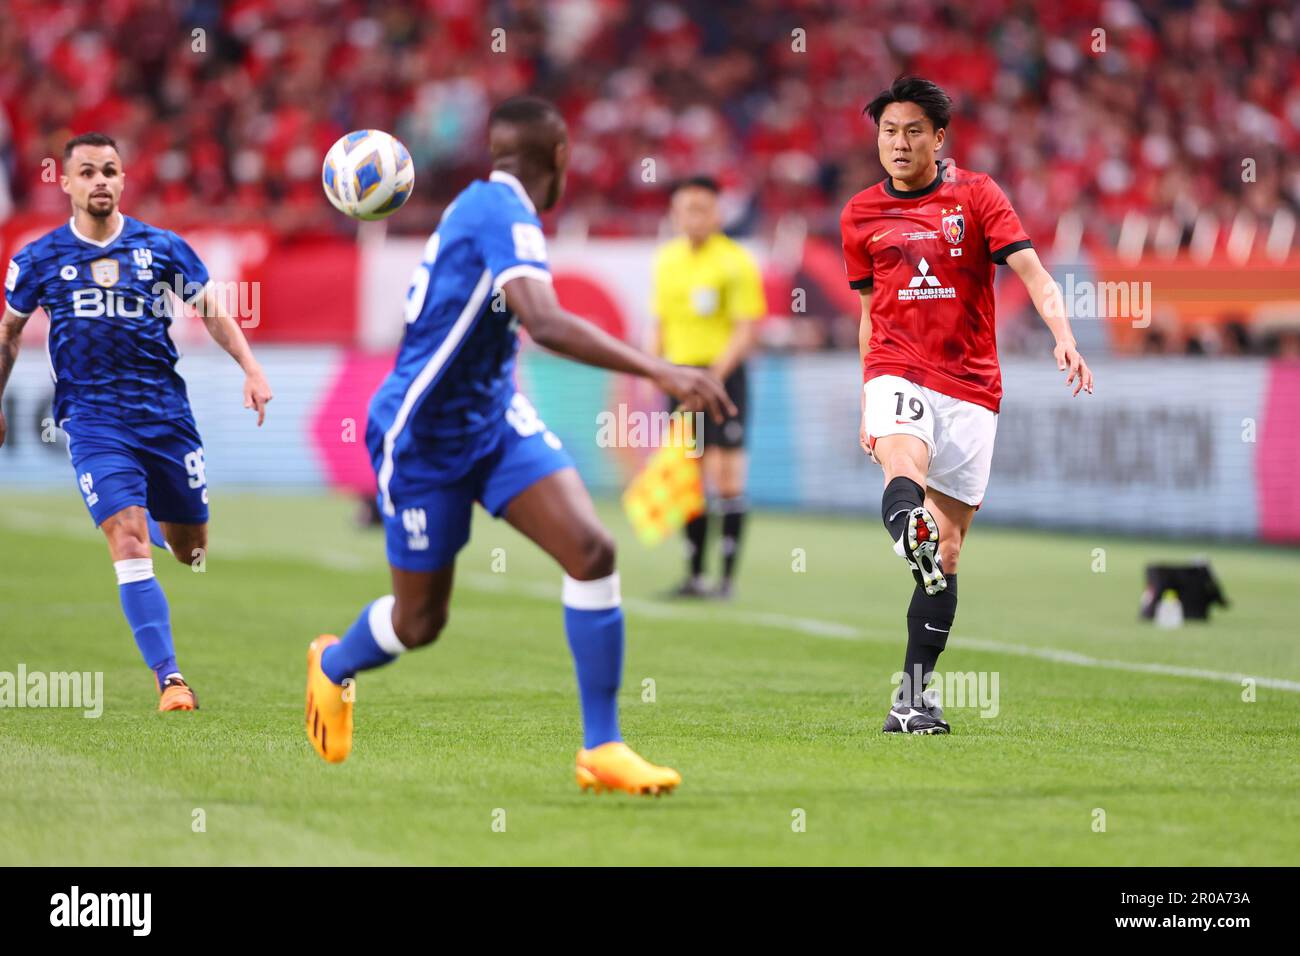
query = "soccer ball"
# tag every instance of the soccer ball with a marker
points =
(368, 174)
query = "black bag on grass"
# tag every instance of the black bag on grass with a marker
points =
(1195, 584)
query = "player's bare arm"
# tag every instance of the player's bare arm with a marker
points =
(225, 331)
(1043, 292)
(864, 346)
(11, 331)
(553, 328)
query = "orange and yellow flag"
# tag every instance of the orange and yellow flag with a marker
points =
(669, 491)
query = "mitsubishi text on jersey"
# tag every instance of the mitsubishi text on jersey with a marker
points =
(110, 309)
(929, 255)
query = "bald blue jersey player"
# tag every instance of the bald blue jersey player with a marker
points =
(106, 282)
(447, 428)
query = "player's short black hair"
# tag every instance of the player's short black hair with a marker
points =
(87, 139)
(914, 89)
(695, 182)
(524, 110)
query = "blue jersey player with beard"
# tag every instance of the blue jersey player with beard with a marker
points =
(447, 429)
(106, 282)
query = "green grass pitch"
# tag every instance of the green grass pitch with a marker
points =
(770, 707)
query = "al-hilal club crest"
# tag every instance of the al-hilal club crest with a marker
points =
(104, 272)
(953, 225)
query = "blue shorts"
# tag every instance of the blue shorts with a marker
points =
(156, 465)
(429, 522)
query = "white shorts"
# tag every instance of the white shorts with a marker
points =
(959, 434)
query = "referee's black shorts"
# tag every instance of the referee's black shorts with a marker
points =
(730, 433)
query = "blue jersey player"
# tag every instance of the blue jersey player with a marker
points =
(447, 428)
(106, 281)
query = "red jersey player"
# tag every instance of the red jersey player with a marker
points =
(920, 247)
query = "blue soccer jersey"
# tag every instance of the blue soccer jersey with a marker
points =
(109, 310)
(444, 405)
(447, 427)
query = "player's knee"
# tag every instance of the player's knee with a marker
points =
(189, 550)
(126, 546)
(949, 552)
(126, 541)
(188, 546)
(901, 465)
(899, 462)
(594, 556)
(421, 628)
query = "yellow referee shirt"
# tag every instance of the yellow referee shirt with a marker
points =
(700, 295)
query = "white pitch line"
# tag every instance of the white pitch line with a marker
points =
(814, 627)
(1136, 667)
(496, 584)
(83, 528)
(817, 627)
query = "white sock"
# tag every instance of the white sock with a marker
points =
(381, 625)
(592, 595)
(133, 569)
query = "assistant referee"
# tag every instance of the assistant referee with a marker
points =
(708, 294)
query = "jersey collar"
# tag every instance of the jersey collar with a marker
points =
(121, 224)
(501, 176)
(916, 193)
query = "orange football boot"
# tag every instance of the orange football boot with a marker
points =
(329, 707)
(175, 694)
(616, 766)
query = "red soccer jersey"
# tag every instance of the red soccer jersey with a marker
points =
(928, 256)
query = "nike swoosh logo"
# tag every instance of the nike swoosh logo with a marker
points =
(881, 235)
(901, 511)
(937, 630)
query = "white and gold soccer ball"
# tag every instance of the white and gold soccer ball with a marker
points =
(368, 174)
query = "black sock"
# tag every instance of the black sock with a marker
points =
(697, 532)
(733, 521)
(901, 496)
(926, 643)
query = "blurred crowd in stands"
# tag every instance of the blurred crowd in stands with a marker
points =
(224, 109)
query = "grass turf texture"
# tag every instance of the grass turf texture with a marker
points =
(768, 705)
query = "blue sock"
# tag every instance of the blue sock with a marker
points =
(593, 621)
(145, 606)
(155, 532)
(370, 642)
